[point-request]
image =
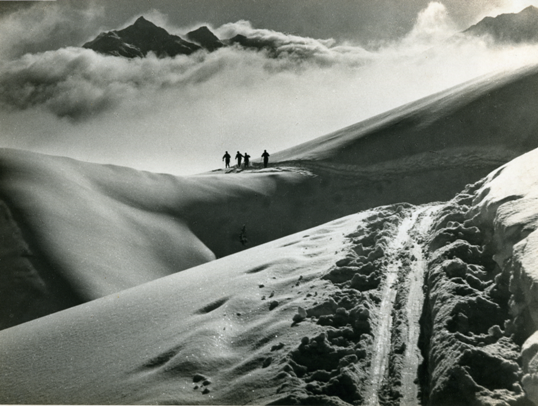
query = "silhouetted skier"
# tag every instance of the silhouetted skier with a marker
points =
(247, 157)
(226, 159)
(265, 157)
(239, 157)
(243, 236)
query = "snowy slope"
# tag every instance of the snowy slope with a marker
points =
(476, 123)
(230, 331)
(85, 231)
(400, 304)
(508, 202)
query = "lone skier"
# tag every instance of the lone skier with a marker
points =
(265, 157)
(243, 236)
(226, 159)
(239, 158)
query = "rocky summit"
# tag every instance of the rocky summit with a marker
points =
(143, 37)
(205, 38)
(139, 39)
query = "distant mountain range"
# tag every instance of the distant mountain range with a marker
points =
(143, 37)
(509, 28)
(139, 39)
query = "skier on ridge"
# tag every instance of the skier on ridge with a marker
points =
(247, 161)
(239, 157)
(226, 159)
(265, 157)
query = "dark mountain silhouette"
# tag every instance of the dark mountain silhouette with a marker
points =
(509, 28)
(144, 36)
(205, 38)
(139, 39)
(253, 43)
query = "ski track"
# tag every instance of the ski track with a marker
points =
(415, 302)
(408, 239)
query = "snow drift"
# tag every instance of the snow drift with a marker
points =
(84, 231)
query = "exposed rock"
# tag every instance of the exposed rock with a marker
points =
(139, 39)
(205, 38)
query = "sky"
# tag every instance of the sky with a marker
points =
(340, 62)
(360, 21)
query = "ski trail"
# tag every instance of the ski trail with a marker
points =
(382, 339)
(415, 301)
(410, 229)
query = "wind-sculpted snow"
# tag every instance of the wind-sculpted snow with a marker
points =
(84, 231)
(317, 317)
(396, 305)
(93, 230)
(210, 334)
(507, 202)
(469, 342)
(471, 119)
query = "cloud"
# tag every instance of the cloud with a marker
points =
(78, 83)
(432, 26)
(172, 114)
(504, 6)
(43, 26)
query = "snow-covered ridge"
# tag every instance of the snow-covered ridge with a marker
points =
(507, 201)
(475, 116)
(400, 304)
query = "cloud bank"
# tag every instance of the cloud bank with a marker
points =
(179, 114)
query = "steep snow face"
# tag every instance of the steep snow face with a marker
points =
(83, 231)
(488, 119)
(481, 312)
(508, 201)
(470, 349)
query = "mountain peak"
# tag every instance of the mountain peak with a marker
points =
(141, 19)
(140, 38)
(530, 9)
(519, 27)
(143, 37)
(141, 22)
(204, 37)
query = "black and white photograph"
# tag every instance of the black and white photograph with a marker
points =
(269, 202)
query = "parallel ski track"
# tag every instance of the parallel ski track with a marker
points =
(408, 239)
